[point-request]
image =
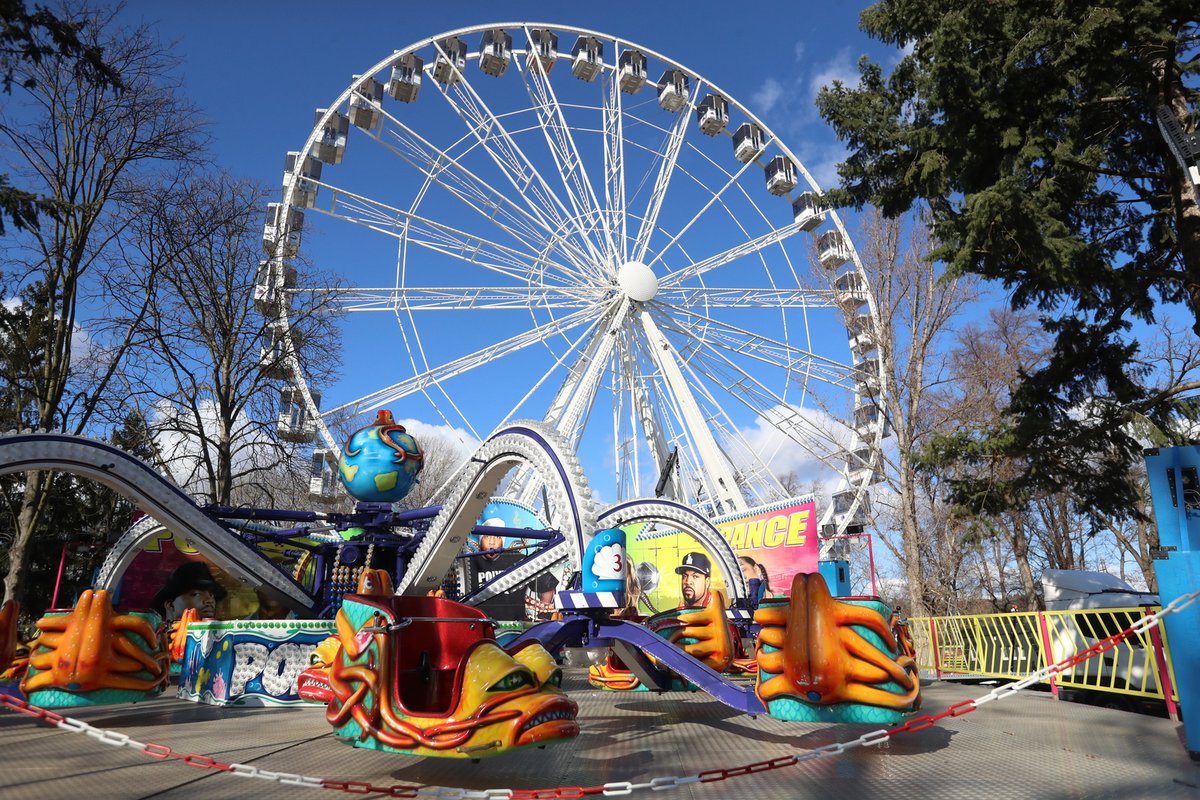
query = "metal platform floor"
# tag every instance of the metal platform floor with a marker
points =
(1025, 746)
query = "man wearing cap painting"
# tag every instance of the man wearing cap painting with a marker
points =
(694, 574)
(191, 585)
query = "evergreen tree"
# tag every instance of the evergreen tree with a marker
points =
(1029, 129)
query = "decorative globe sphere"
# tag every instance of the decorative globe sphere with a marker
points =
(380, 462)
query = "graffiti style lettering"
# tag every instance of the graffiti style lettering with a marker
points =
(780, 530)
(278, 667)
(248, 662)
(182, 543)
(776, 531)
(284, 665)
(798, 528)
(736, 534)
(754, 533)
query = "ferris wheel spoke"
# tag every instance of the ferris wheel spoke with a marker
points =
(670, 158)
(574, 399)
(752, 393)
(747, 460)
(749, 345)
(454, 298)
(423, 232)
(716, 197)
(720, 480)
(614, 163)
(564, 150)
(448, 172)
(518, 169)
(649, 404)
(732, 254)
(435, 375)
(710, 297)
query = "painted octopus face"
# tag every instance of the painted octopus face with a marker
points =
(313, 683)
(521, 693)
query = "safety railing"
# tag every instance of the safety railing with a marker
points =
(1010, 646)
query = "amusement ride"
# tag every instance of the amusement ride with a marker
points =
(587, 247)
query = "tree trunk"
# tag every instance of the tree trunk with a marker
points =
(1020, 545)
(911, 526)
(33, 501)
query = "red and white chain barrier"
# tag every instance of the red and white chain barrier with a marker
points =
(613, 789)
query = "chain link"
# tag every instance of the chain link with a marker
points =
(614, 789)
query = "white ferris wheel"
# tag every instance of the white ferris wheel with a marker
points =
(542, 221)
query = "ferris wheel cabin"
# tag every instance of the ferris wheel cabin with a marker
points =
(866, 376)
(543, 49)
(631, 71)
(807, 213)
(842, 504)
(861, 329)
(295, 424)
(712, 115)
(322, 485)
(673, 90)
(331, 147)
(301, 171)
(404, 84)
(858, 463)
(281, 233)
(867, 416)
(270, 279)
(831, 250)
(364, 104)
(747, 142)
(781, 176)
(273, 355)
(587, 58)
(850, 291)
(495, 51)
(451, 60)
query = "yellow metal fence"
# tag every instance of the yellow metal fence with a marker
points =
(1010, 646)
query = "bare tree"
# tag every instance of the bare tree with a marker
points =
(217, 365)
(986, 365)
(916, 304)
(444, 455)
(81, 145)
(1053, 530)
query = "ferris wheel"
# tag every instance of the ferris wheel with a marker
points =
(543, 221)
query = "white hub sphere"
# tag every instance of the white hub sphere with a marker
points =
(637, 281)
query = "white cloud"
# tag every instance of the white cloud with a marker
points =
(842, 67)
(783, 456)
(766, 97)
(182, 450)
(442, 434)
(821, 159)
(799, 51)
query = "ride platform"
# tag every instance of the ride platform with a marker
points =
(1026, 745)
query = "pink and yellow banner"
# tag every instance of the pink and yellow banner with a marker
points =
(772, 543)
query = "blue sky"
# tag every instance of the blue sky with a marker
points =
(258, 70)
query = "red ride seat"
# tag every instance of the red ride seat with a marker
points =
(429, 653)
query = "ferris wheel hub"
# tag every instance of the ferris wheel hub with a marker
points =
(637, 281)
